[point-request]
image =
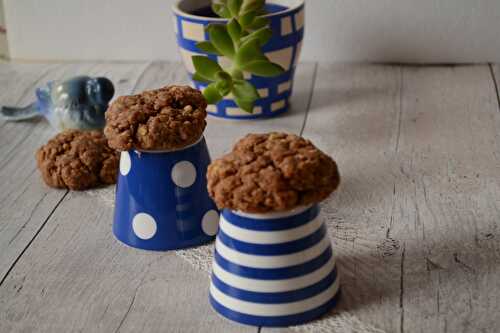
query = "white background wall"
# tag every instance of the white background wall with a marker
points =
(437, 31)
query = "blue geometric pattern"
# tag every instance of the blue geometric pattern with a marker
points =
(283, 48)
(273, 270)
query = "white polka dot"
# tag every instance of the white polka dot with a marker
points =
(210, 222)
(144, 226)
(184, 174)
(125, 163)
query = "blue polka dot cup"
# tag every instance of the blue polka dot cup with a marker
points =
(273, 269)
(287, 23)
(162, 201)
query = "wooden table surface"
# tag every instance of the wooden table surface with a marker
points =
(415, 223)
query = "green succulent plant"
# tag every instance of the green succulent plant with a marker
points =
(240, 40)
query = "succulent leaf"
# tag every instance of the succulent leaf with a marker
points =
(245, 105)
(207, 47)
(234, 30)
(263, 68)
(234, 6)
(244, 90)
(200, 78)
(221, 40)
(211, 94)
(247, 19)
(221, 10)
(206, 67)
(258, 22)
(249, 51)
(263, 35)
(252, 5)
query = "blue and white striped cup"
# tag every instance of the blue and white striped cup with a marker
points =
(273, 269)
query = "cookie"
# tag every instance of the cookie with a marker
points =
(271, 172)
(168, 118)
(77, 160)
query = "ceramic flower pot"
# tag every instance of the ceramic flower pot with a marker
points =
(273, 269)
(287, 23)
(162, 201)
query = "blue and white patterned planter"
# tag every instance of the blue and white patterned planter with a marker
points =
(273, 269)
(287, 24)
(162, 201)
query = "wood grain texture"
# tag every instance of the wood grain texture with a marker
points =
(415, 222)
(25, 202)
(448, 201)
(76, 276)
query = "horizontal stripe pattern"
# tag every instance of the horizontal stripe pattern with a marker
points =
(276, 321)
(268, 238)
(274, 249)
(269, 310)
(275, 273)
(273, 269)
(279, 261)
(259, 222)
(279, 297)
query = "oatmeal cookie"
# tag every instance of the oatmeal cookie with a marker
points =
(271, 172)
(77, 160)
(168, 118)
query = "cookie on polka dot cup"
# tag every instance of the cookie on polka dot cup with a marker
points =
(161, 196)
(273, 262)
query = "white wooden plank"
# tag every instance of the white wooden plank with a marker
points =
(77, 277)
(25, 202)
(415, 222)
(447, 200)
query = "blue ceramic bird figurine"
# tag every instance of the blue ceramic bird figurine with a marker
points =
(77, 103)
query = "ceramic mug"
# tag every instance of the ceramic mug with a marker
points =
(162, 201)
(287, 23)
(273, 269)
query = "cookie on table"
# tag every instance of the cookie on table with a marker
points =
(271, 172)
(168, 118)
(77, 160)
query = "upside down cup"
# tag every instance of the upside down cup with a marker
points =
(161, 196)
(274, 268)
(162, 201)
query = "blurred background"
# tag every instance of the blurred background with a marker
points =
(423, 31)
